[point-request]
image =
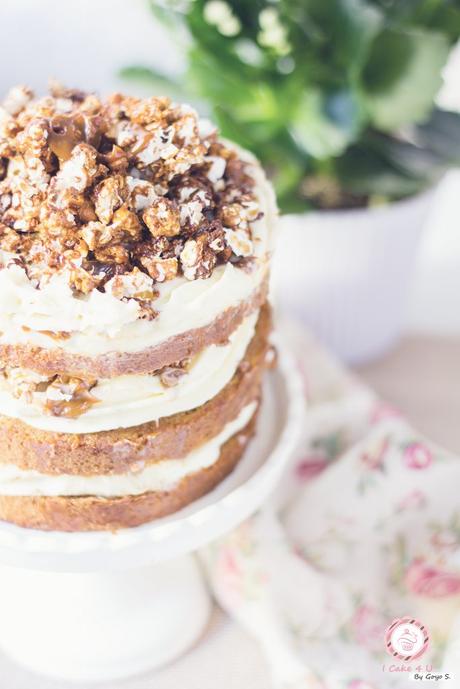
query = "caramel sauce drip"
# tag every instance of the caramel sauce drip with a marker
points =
(54, 334)
(81, 401)
(70, 409)
(67, 131)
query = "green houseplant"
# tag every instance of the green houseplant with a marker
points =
(337, 99)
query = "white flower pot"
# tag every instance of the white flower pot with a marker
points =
(346, 274)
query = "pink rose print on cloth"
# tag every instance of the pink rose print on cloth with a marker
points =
(237, 567)
(445, 541)
(417, 456)
(323, 451)
(413, 500)
(368, 627)
(425, 580)
(309, 467)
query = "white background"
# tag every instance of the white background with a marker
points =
(84, 42)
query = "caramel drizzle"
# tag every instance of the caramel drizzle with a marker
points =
(54, 334)
(67, 131)
(81, 400)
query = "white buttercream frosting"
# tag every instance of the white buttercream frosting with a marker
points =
(161, 476)
(135, 399)
(100, 323)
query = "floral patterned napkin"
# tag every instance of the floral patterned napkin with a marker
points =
(364, 528)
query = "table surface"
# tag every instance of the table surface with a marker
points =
(420, 377)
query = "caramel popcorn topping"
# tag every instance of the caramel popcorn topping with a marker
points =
(69, 397)
(57, 395)
(170, 376)
(118, 195)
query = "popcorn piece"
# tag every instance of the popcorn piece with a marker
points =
(156, 146)
(125, 226)
(239, 242)
(233, 215)
(216, 169)
(96, 234)
(116, 160)
(110, 195)
(22, 382)
(189, 254)
(125, 223)
(191, 213)
(216, 242)
(197, 259)
(160, 269)
(80, 170)
(162, 218)
(82, 281)
(148, 110)
(146, 311)
(206, 128)
(142, 193)
(16, 99)
(133, 285)
(171, 376)
(112, 254)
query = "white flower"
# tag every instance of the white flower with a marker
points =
(273, 34)
(249, 52)
(219, 13)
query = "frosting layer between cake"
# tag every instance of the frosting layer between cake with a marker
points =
(131, 400)
(161, 476)
(90, 513)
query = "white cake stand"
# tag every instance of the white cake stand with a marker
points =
(100, 606)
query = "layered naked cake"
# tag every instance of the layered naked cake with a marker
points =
(134, 249)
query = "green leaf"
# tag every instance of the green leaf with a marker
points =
(357, 23)
(286, 165)
(157, 83)
(438, 15)
(166, 12)
(441, 133)
(256, 104)
(409, 159)
(403, 76)
(364, 171)
(324, 126)
(346, 28)
(231, 129)
(218, 83)
(255, 136)
(447, 20)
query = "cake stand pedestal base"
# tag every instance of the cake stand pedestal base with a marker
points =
(99, 606)
(100, 626)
